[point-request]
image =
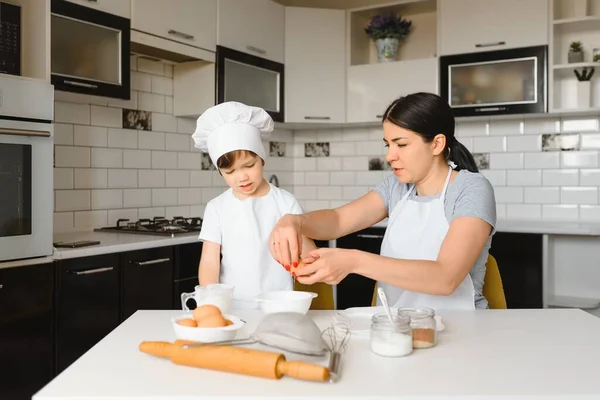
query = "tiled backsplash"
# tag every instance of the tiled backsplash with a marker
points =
(134, 159)
(540, 168)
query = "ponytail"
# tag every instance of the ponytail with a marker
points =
(461, 156)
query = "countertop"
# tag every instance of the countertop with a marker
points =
(111, 242)
(542, 227)
(499, 354)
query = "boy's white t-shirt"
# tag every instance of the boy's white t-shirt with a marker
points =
(242, 228)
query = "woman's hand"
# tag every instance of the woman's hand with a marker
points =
(285, 242)
(328, 265)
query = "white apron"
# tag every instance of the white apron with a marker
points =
(415, 231)
(247, 262)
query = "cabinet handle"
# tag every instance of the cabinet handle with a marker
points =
(256, 50)
(369, 236)
(320, 118)
(379, 116)
(85, 85)
(151, 262)
(93, 1)
(92, 271)
(181, 34)
(490, 44)
(1, 286)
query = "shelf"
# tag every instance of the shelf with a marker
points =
(575, 11)
(579, 20)
(576, 65)
(567, 69)
(421, 43)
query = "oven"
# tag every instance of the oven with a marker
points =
(26, 168)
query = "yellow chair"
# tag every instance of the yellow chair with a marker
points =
(324, 300)
(492, 286)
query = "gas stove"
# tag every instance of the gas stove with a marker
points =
(157, 226)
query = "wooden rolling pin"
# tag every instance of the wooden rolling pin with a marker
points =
(240, 360)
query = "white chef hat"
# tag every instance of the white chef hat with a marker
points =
(232, 126)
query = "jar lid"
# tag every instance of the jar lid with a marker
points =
(417, 313)
(399, 319)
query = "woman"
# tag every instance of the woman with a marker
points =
(441, 211)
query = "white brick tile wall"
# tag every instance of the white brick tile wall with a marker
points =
(151, 140)
(104, 172)
(122, 178)
(107, 116)
(123, 138)
(92, 136)
(91, 178)
(137, 159)
(107, 158)
(63, 134)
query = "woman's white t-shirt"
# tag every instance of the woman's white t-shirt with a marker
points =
(242, 228)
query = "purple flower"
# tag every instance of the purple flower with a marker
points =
(388, 25)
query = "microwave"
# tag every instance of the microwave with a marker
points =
(511, 81)
(251, 80)
(89, 51)
(10, 39)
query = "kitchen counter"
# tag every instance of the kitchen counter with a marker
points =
(111, 242)
(541, 227)
(499, 354)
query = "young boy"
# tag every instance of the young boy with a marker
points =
(237, 224)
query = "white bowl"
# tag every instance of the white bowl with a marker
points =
(207, 334)
(285, 300)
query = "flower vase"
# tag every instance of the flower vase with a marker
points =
(387, 49)
(584, 98)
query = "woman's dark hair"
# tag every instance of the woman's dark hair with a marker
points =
(428, 115)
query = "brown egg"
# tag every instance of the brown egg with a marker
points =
(188, 322)
(214, 321)
(206, 310)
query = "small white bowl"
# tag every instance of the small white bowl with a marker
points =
(207, 335)
(285, 301)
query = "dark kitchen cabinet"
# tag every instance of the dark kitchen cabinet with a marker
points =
(185, 280)
(357, 290)
(520, 261)
(147, 280)
(87, 304)
(26, 330)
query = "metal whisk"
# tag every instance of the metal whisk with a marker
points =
(336, 336)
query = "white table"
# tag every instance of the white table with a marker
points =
(499, 354)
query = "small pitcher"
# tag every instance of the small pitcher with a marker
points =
(218, 294)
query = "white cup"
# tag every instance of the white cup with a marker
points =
(218, 294)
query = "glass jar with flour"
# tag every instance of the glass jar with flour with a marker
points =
(391, 339)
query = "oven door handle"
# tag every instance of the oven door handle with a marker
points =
(24, 132)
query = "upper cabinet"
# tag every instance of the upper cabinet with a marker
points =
(255, 27)
(468, 26)
(122, 8)
(374, 84)
(315, 65)
(371, 88)
(191, 22)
